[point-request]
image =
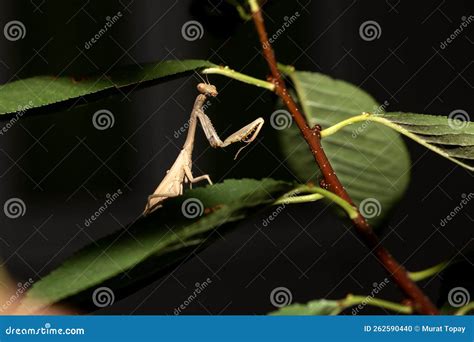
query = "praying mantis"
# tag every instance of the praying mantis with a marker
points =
(180, 172)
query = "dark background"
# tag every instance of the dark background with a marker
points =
(63, 179)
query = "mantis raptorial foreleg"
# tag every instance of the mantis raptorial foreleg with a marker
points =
(180, 172)
(246, 134)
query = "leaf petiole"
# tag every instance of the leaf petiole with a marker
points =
(352, 300)
(316, 193)
(429, 272)
(226, 71)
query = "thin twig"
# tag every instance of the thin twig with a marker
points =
(421, 302)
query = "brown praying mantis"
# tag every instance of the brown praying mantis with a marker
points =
(180, 172)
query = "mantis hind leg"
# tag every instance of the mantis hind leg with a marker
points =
(192, 179)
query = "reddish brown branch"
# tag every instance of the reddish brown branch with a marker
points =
(421, 303)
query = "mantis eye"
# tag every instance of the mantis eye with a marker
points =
(201, 87)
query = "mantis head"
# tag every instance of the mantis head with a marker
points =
(207, 89)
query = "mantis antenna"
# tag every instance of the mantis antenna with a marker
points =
(200, 77)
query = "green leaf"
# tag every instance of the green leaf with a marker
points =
(40, 91)
(450, 138)
(335, 307)
(315, 307)
(154, 238)
(371, 161)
